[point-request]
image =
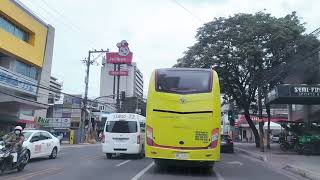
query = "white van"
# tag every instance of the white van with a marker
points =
(124, 133)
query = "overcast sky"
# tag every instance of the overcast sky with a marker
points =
(158, 31)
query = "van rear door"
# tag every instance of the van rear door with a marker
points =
(122, 132)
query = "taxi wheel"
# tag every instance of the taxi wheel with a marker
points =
(28, 156)
(54, 153)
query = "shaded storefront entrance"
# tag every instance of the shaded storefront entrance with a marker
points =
(304, 130)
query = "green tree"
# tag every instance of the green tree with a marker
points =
(242, 47)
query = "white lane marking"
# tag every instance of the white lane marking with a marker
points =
(142, 172)
(61, 153)
(236, 163)
(219, 176)
(123, 163)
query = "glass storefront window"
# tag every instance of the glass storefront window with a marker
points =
(13, 29)
(26, 70)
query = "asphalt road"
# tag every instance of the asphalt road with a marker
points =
(88, 162)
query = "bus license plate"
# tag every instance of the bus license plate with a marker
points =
(182, 155)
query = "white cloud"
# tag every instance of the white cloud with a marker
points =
(158, 31)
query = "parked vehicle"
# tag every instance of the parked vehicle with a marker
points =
(289, 143)
(124, 134)
(275, 138)
(226, 144)
(10, 160)
(41, 143)
(309, 144)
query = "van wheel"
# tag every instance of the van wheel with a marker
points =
(109, 155)
(142, 154)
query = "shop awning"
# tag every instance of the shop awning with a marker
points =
(294, 94)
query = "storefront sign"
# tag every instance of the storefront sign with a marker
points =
(59, 122)
(123, 56)
(119, 73)
(305, 91)
(43, 122)
(13, 81)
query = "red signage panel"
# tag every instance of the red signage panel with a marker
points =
(119, 73)
(115, 58)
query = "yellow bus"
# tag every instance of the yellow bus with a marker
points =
(183, 116)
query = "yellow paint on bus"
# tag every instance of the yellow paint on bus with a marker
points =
(183, 115)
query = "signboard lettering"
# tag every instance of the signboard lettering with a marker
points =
(13, 81)
(305, 91)
(123, 56)
(119, 73)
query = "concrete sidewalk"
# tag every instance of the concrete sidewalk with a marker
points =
(306, 166)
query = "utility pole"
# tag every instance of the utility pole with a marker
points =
(84, 115)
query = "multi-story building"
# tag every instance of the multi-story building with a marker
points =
(132, 84)
(55, 93)
(26, 47)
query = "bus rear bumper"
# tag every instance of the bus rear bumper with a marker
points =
(210, 155)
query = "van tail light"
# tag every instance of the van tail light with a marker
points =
(214, 138)
(103, 138)
(138, 139)
(149, 136)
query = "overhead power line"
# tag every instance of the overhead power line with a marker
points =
(59, 17)
(51, 90)
(188, 11)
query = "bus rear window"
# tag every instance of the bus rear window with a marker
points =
(183, 81)
(121, 126)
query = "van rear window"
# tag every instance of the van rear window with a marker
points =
(121, 126)
(183, 81)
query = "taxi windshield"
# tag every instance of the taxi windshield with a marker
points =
(26, 135)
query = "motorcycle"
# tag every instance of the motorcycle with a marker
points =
(10, 161)
(292, 144)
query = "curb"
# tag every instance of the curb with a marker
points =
(302, 172)
(290, 168)
(251, 154)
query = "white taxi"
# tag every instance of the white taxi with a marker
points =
(41, 144)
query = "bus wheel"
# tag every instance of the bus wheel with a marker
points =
(159, 164)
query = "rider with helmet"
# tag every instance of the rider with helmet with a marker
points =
(15, 139)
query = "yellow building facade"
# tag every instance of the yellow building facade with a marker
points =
(26, 49)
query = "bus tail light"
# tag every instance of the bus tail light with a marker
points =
(149, 136)
(214, 138)
(138, 139)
